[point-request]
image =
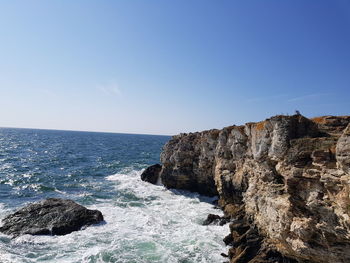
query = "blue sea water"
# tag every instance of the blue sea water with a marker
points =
(143, 222)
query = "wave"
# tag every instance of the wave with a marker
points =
(144, 223)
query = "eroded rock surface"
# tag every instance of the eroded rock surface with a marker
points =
(50, 217)
(285, 180)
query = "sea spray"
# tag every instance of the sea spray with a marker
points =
(144, 223)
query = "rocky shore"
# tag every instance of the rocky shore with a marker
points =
(283, 182)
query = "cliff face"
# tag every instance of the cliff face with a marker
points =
(285, 181)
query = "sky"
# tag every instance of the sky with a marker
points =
(166, 67)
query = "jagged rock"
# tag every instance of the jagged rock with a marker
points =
(286, 181)
(151, 174)
(52, 216)
(216, 220)
(343, 151)
(183, 165)
(211, 219)
(228, 239)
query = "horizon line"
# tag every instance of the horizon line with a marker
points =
(52, 129)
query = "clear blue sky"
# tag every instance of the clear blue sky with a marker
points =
(164, 67)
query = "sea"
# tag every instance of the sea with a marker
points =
(143, 222)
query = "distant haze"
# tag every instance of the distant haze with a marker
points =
(165, 67)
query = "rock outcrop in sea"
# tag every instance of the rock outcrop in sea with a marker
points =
(151, 174)
(52, 216)
(284, 182)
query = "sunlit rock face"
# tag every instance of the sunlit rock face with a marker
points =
(285, 181)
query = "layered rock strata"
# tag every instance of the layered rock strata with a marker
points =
(284, 181)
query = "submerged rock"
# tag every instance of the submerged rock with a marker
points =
(284, 180)
(151, 174)
(52, 216)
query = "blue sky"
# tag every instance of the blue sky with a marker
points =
(165, 67)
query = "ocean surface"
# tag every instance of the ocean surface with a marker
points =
(143, 222)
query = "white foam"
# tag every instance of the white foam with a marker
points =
(3, 211)
(144, 223)
(60, 192)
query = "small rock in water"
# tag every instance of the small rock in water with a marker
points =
(216, 219)
(151, 174)
(52, 216)
(212, 219)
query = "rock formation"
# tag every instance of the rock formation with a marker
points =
(151, 174)
(216, 220)
(50, 217)
(284, 181)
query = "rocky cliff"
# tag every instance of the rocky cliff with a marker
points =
(284, 181)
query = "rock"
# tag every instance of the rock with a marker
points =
(52, 216)
(343, 151)
(212, 219)
(151, 174)
(216, 220)
(228, 239)
(187, 162)
(285, 181)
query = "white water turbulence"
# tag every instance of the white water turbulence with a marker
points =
(143, 223)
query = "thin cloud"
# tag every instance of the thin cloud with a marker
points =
(309, 96)
(112, 89)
